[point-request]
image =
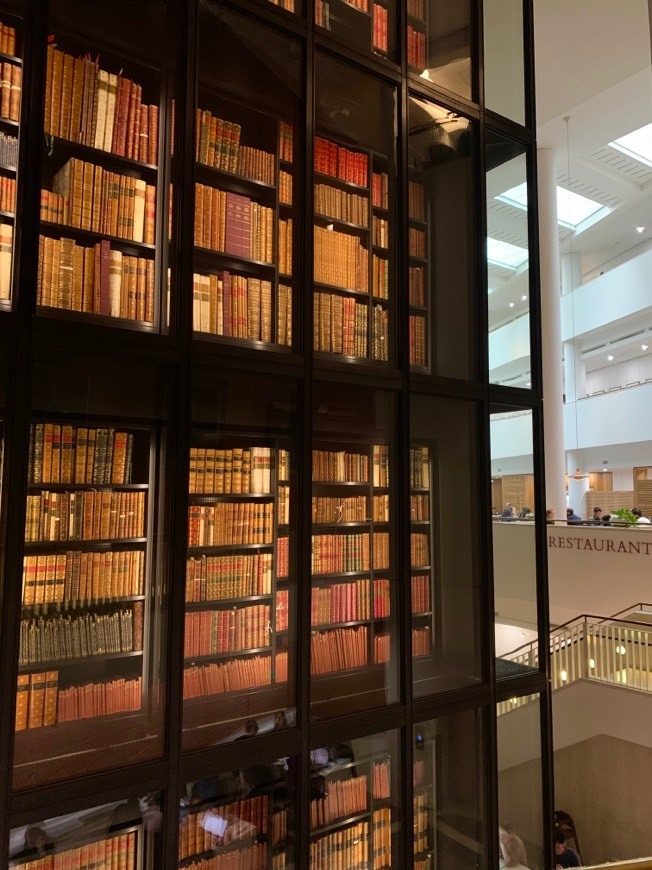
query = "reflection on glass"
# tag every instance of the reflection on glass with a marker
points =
(102, 168)
(521, 837)
(514, 544)
(439, 43)
(353, 644)
(441, 233)
(445, 576)
(246, 192)
(353, 803)
(448, 775)
(503, 58)
(240, 818)
(508, 263)
(90, 638)
(239, 572)
(354, 238)
(124, 833)
(367, 25)
(11, 46)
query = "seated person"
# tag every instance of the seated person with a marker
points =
(512, 850)
(596, 516)
(638, 513)
(564, 855)
(571, 516)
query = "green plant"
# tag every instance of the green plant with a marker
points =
(623, 515)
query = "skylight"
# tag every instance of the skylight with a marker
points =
(637, 144)
(504, 254)
(572, 209)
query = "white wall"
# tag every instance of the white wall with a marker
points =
(614, 418)
(619, 375)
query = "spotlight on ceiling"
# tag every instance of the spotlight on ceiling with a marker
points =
(640, 229)
(644, 347)
(610, 357)
(511, 304)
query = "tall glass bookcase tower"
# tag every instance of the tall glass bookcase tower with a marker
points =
(248, 255)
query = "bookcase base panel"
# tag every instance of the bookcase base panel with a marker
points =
(350, 692)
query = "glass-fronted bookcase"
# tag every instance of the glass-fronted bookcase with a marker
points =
(246, 585)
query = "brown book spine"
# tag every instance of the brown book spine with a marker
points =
(22, 700)
(36, 700)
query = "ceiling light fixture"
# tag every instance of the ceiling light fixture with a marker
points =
(644, 347)
(610, 357)
(511, 304)
(523, 298)
(640, 229)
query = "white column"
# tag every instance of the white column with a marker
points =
(577, 489)
(553, 411)
(574, 366)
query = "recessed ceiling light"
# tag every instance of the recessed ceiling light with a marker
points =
(528, 384)
(640, 229)
(644, 347)
(523, 298)
(511, 304)
(610, 357)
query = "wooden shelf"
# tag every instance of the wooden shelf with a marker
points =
(56, 147)
(82, 661)
(90, 237)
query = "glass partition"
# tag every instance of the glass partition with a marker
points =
(240, 575)
(503, 58)
(354, 231)
(444, 541)
(508, 262)
(442, 253)
(448, 777)
(354, 592)
(12, 50)
(439, 42)
(514, 542)
(367, 25)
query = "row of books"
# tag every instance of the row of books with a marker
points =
(419, 468)
(417, 341)
(233, 306)
(282, 557)
(340, 162)
(416, 48)
(61, 638)
(341, 260)
(380, 189)
(338, 650)
(249, 858)
(216, 578)
(91, 198)
(284, 188)
(109, 854)
(76, 578)
(343, 798)
(78, 454)
(99, 109)
(419, 508)
(348, 848)
(95, 280)
(282, 610)
(416, 243)
(420, 593)
(285, 130)
(11, 81)
(341, 205)
(340, 466)
(380, 277)
(417, 9)
(351, 509)
(195, 828)
(420, 804)
(416, 201)
(8, 153)
(40, 702)
(237, 675)
(336, 554)
(230, 524)
(417, 286)
(380, 465)
(381, 649)
(6, 250)
(222, 631)
(232, 223)
(382, 838)
(279, 827)
(340, 325)
(381, 780)
(419, 550)
(422, 863)
(285, 246)
(421, 641)
(85, 516)
(283, 504)
(380, 228)
(217, 142)
(379, 333)
(323, 14)
(7, 194)
(230, 470)
(8, 39)
(380, 29)
(347, 602)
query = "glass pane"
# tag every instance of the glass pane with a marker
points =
(353, 647)
(104, 204)
(11, 51)
(445, 576)
(354, 238)
(89, 694)
(354, 796)
(247, 189)
(367, 25)
(242, 818)
(503, 58)
(521, 838)
(239, 623)
(508, 262)
(442, 252)
(439, 43)
(448, 776)
(124, 833)
(514, 543)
